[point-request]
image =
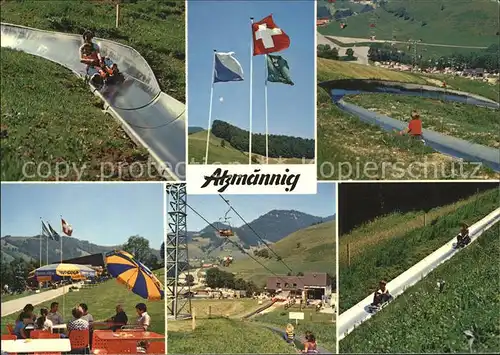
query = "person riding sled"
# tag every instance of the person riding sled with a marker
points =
(463, 238)
(382, 294)
(289, 333)
(90, 54)
(310, 345)
(414, 128)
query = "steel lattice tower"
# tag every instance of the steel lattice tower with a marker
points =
(176, 249)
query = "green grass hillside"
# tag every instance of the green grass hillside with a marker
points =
(309, 249)
(216, 152)
(102, 300)
(391, 226)
(422, 320)
(462, 23)
(225, 336)
(345, 142)
(75, 136)
(320, 324)
(474, 124)
(389, 257)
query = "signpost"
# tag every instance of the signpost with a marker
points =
(296, 316)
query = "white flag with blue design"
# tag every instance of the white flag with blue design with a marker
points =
(227, 68)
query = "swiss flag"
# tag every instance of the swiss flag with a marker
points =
(67, 229)
(267, 37)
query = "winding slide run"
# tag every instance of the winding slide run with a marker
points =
(451, 146)
(357, 314)
(150, 117)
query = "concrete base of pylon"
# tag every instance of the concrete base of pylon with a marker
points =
(183, 316)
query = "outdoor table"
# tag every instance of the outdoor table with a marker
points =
(136, 336)
(105, 325)
(36, 345)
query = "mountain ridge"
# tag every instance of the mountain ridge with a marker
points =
(28, 247)
(271, 227)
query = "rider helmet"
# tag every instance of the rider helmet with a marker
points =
(88, 34)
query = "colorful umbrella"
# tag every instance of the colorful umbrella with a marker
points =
(135, 275)
(56, 272)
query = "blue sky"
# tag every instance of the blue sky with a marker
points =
(225, 26)
(251, 207)
(104, 214)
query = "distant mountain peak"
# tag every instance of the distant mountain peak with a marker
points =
(271, 227)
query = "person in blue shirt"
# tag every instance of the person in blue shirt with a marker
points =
(20, 327)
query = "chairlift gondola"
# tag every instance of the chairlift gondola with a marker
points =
(226, 232)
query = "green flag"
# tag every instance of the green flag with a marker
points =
(277, 70)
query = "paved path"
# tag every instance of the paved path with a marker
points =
(281, 332)
(348, 40)
(16, 305)
(360, 52)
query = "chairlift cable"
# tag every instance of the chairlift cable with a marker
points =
(258, 236)
(236, 244)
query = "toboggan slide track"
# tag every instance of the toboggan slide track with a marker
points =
(150, 117)
(451, 146)
(356, 315)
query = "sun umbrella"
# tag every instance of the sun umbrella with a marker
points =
(135, 275)
(56, 272)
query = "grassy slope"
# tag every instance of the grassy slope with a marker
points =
(216, 153)
(344, 139)
(225, 336)
(472, 86)
(474, 124)
(41, 129)
(215, 308)
(423, 320)
(316, 253)
(391, 256)
(227, 154)
(392, 226)
(225, 314)
(320, 324)
(102, 300)
(33, 89)
(475, 20)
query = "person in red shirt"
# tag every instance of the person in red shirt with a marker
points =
(414, 128)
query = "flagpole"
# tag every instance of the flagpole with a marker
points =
(251, 98)
(210, 109)
(47, 250)
(265, 104)
(61, 238)
(41, 239)
(64, 293)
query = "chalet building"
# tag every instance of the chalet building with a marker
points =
(313, 285)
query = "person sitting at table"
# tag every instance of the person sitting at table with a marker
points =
(78, 323)
(143, 319)
(120, 318)
(29, 309)
(86, 315)
(53, 315)
(42, 322)
(20, 328)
